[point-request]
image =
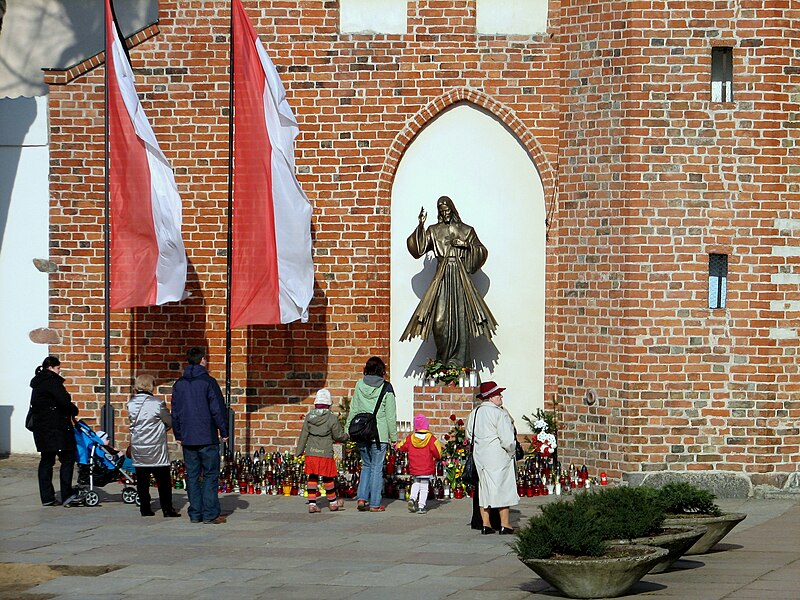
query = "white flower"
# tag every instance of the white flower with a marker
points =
(540, 425)
(547, 439)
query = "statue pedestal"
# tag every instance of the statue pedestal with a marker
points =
(438, 402)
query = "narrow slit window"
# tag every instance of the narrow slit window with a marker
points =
(717, 280)
(722, 74)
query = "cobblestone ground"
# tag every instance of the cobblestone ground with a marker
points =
(272, 548)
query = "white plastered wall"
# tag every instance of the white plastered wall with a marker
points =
(469, 155)
(57, 33)
(513, 17)
(24, 203)
(373, 16)
(68, 31)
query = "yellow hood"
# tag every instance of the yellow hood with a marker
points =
(420, 442)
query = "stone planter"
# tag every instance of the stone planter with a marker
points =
(676, 541)
(718, 528)
(600, 577)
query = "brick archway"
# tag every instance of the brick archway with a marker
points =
(415, 162)
(484, 101)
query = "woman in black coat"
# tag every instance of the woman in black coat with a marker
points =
(51, 413)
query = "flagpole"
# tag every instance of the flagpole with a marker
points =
(229, 444)
(107, 414)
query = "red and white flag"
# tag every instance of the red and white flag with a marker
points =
(148, 260)
(272, 273)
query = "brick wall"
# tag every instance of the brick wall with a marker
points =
(359, 100)
(443, 401)
(645, 177)
(591, 249)
(654, 178)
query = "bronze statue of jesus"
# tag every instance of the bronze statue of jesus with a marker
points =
(451, 308)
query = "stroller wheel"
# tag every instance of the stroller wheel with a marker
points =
(91, 498)
(130, 495)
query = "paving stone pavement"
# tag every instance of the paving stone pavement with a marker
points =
(272, 548)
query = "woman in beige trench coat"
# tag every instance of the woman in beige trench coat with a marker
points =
(492, 432)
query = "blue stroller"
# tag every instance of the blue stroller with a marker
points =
(98, 465)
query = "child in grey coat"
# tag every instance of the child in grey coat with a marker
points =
(320, 429)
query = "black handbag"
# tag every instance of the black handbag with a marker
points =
(363, 427)
(470, 473)
(519, 453)
(29, 419)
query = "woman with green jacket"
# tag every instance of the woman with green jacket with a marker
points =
(365, 397)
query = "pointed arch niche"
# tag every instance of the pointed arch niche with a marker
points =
(469, 154)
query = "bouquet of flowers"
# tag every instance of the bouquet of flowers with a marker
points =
(546, 442)
(441, 373)
(544, 428)
(452, 470)
(456, 443)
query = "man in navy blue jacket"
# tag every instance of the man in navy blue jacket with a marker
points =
(198, 413)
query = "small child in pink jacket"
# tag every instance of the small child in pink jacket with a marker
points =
(423, 451)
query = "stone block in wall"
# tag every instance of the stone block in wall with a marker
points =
(776, 480)
(44, 335)
(44, 265)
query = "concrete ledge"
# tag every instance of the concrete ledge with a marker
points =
(723, 484)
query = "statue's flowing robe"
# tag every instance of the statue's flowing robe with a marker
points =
(452, 309)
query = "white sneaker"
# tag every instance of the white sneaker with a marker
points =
(412, 505)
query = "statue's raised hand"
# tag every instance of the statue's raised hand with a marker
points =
(422, 216)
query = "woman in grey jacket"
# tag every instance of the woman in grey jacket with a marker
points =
(149, 420)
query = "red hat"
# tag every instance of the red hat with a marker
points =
(489, 389)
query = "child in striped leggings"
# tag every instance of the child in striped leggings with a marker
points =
(320, 429)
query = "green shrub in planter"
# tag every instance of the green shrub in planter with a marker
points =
(624, 513)
(568, 545)
(582, 527)
(534, 540)
(681, 498)
(562, 528)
